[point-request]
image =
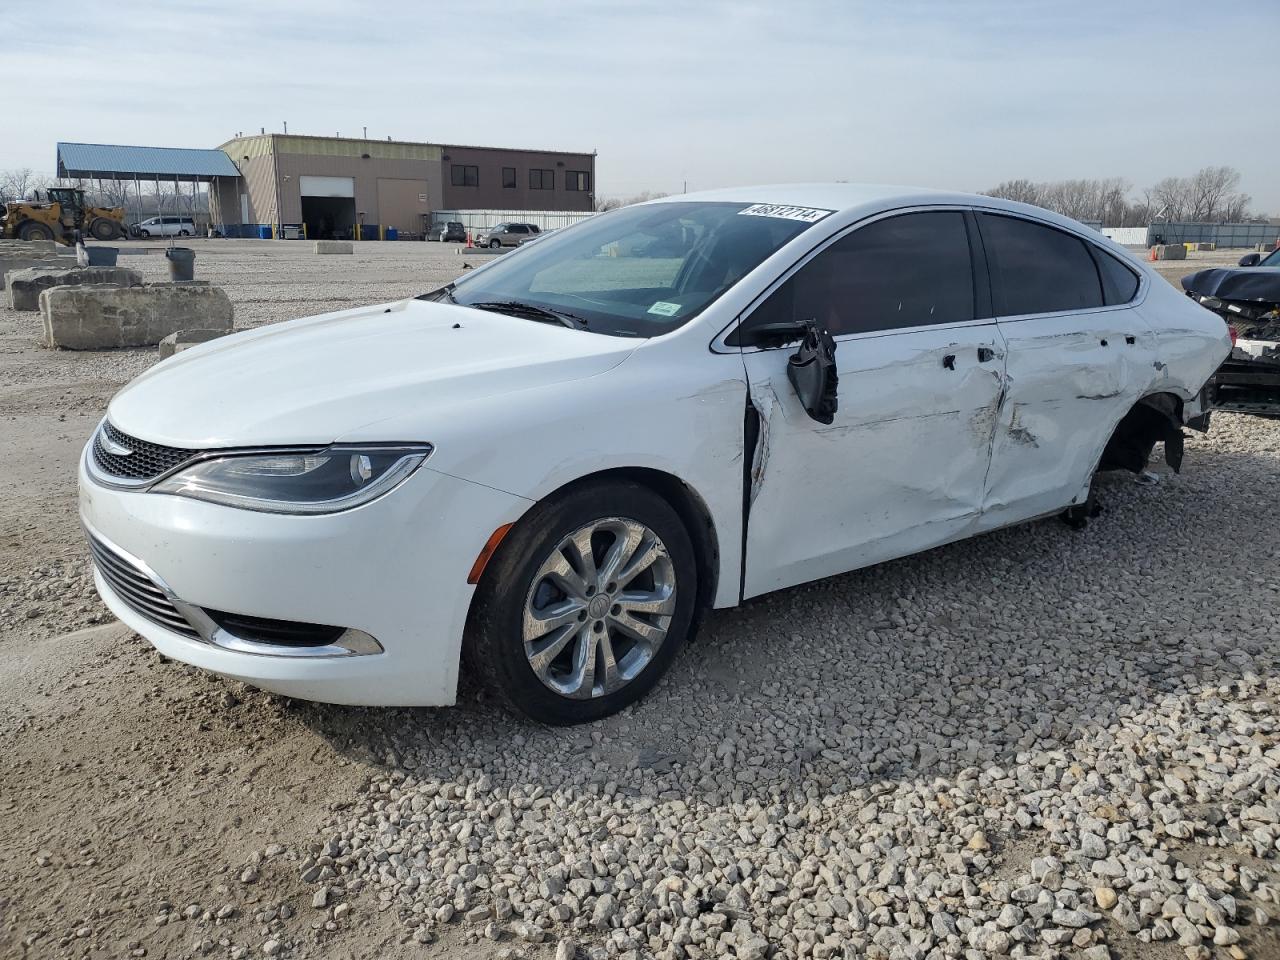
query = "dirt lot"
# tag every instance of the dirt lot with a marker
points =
(1038, 743)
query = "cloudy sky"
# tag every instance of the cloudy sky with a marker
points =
(956, 94)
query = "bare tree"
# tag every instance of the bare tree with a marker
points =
(18, 184)
(1020, 191)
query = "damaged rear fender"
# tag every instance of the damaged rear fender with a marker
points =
(1154, 417)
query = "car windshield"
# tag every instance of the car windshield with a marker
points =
(1272, 259)
(636, 272)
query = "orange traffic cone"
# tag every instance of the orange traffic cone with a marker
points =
(470, 245)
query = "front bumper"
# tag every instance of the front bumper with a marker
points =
(393, 571)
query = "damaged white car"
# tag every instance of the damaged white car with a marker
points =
(548, 470)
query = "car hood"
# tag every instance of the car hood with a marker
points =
(1238, 283)
(315, 380)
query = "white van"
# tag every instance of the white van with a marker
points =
(167, 227)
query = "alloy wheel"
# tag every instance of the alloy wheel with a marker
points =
(599, 608)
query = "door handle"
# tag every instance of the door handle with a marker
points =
(986, 354)
(949, 361)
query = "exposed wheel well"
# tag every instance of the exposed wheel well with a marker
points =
(1157, 416)
(688, 505)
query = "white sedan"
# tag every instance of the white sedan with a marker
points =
(551, 468)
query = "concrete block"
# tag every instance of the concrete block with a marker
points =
(1170, 251)
(183, 339)
(334, 246)
(101, 318)
(29, 248)
(1205, 245)
(23, 286)
(11, 262)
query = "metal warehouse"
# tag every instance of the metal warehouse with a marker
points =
(340, 187)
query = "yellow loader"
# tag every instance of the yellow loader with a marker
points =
(61, 216)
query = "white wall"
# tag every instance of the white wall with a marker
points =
(1128, 236)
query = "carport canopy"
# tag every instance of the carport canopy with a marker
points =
(102, 161)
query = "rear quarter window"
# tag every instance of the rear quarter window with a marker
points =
(1119, 283)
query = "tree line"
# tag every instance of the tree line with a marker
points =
(1211, 195)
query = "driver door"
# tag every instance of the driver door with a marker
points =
(920, 363)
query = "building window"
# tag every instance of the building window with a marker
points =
(578, 181)
(509, 178)
(542, 179)
(465, 175)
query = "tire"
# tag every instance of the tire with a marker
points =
(499, 647)
(34, 231)
(145, 234)
(102, 229)
(184, 233)
(495, 244)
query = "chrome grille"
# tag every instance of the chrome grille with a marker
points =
(145, 461)
(133, 586)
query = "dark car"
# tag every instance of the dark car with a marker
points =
(453, 230)
(1248, 298)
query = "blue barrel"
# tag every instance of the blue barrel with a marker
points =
(393, 233)
(264, 231)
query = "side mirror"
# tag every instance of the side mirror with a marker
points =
(1250, 259)
(812, 372)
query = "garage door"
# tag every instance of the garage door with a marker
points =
(327, 186)
(401, 204)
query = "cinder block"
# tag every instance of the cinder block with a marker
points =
(9, 262)
(184, 339)
(23, 287)
(102, 318)
(1170, 251)
(334, 246)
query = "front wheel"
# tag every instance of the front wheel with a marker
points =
(184, 233)
(585, 604)
(494, 244)
(145, 234)
(34, 231)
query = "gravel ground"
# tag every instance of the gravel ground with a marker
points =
(1036, 743)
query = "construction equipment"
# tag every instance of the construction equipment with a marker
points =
(61, 216)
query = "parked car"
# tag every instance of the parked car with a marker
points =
(167, 227)
(454, 231)
(507, 234)
(536, 235)
(1248, 298)
(559, 461)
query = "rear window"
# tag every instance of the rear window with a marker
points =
(1037, 268)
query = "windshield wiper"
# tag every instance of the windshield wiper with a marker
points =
(532, 311)
(435, 296)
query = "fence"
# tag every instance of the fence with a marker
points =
(476, 220)
(1223, 234)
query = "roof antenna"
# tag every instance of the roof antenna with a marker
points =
(365, 132)
(286, 125)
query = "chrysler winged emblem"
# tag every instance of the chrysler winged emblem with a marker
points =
(113, 448)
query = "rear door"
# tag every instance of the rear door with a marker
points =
(1079, 357)
(920, 363)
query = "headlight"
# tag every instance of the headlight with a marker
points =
(315, 481)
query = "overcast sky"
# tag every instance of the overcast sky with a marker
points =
(957, 95)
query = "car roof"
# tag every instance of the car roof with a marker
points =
(866, 197)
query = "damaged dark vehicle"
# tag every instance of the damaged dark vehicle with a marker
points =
(1248, 298)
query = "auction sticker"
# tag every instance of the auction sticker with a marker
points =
(803, 214)
(664, 309)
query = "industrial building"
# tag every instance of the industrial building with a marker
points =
(339, 187)
(286, 185)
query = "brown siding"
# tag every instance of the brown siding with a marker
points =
(403, 203)
(367, 173)
(491, 195)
